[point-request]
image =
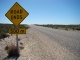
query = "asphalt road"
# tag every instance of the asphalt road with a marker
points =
(70, 40)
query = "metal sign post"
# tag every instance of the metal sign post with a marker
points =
(16, 15)
(17, 42)
(17, 45)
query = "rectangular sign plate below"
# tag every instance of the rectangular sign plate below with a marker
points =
(17, 31)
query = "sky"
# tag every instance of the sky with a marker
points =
(44, 11)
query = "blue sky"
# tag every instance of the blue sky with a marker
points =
(45, 11)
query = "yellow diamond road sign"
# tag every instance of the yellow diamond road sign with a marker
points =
(16, 14)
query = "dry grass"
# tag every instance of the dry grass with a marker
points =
(21, 43)
(21, 47)
(3, 35)
(12, 50)
(18, 39)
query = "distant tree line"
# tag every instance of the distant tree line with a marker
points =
(66, 27)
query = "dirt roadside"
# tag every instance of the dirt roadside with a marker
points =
(37, 46)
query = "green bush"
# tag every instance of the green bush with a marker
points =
(3, 35)
(66, 28)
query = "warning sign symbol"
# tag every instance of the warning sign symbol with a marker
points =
(16, 14)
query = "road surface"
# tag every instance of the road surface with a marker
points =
(70, 40)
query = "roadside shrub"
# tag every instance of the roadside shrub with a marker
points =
(3, 35)
(56, 27)
(27, 27)
(78, 29)
(18, 39)
(21, 47)
(66, 28)
(21, 43)
(12, 50)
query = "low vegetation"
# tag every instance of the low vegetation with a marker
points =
(66, 27)
(12, 51)
(5, 27)
(3, 35)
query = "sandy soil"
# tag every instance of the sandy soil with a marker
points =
(37, 46)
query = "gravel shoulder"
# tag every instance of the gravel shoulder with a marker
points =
(37, 46)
